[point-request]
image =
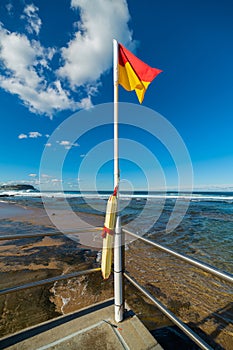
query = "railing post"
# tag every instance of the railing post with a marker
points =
(118, 272)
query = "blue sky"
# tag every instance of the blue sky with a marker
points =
(57, 59)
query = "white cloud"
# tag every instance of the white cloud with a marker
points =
(45, 176)
(34, 134)
(32, 175)
(24, 64)
(18, 55)
(89, 53)
(22, 136)
(27, 69)
(85, 103)
(48, 144)
(33, 20)
(56, 180)
(67, 144)
(31, 134)
(9, 8)
(64, 143)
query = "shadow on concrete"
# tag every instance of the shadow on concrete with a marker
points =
(14, 339)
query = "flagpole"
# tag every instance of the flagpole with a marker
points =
(118, 275)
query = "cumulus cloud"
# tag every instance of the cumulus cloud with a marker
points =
(89, 53)
(64, 143)
(22, 136)
(67, 144)
(48, 144)
(32, 175)
(33, 20)
(25, 63)
(56, 180)
(45, 176)
(31, 134)
(34, 134)
(46, 86)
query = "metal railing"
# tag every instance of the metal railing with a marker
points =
(192, 335)
(47, 281)
(28, 235)
(205, 267)
(44, 234)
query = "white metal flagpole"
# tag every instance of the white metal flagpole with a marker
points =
(118, 275)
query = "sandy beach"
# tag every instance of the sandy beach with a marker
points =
(91, 224)
(10, 210)
(30, 259)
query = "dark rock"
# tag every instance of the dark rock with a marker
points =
(19, 187)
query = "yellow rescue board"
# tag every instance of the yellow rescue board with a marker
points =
(108, 231)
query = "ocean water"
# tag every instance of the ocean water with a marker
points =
(198, 224)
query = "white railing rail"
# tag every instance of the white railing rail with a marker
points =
(208, 268)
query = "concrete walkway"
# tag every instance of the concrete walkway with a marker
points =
(90, 328)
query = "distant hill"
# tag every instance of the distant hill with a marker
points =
(17, 187)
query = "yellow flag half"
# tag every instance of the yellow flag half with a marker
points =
(133, 73)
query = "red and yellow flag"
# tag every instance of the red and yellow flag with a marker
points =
(133, 74)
